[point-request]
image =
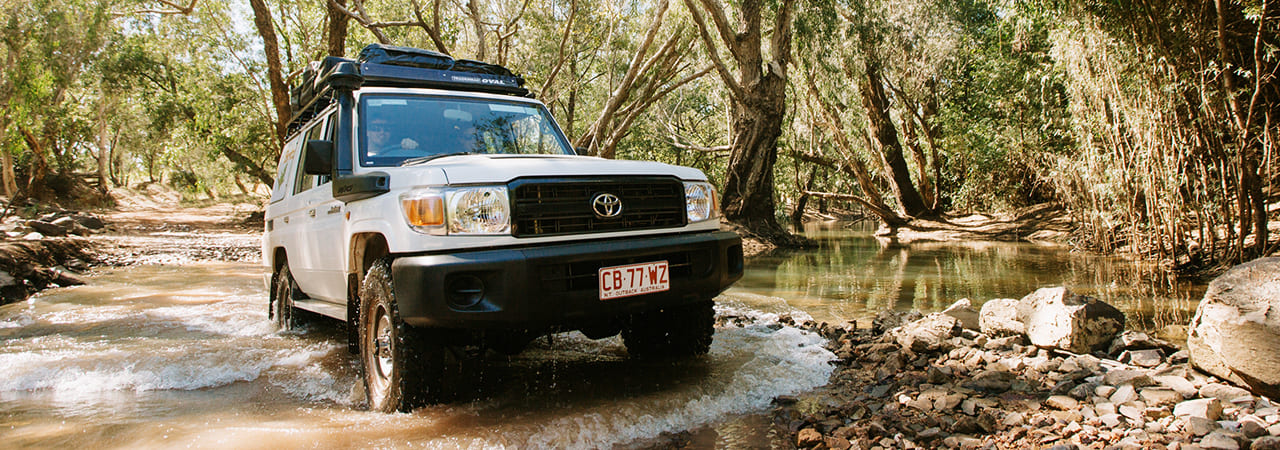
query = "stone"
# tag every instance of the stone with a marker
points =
(1235, 334)
(1204, 408)
(809, 437)
(1105, 408)
(1222, 392)
(1179, 384)
(1131, 412)
(1014, 419)
(1057, 318)
(88, 221)
(963, 311)
(1253, 428)
(837, 443)
(1132, 340)
(991, 381)
(1199, 426)
(1142, 358)
(889, 319)
(1218, 440)
(1111, 420)
(1266, 443)
(1274, 429)
(1104, 391)
(47, 228)
(999, 317)
(1137, 378)
(1160, 397)
(1062, 402)
(1124, 394)
(929, 333)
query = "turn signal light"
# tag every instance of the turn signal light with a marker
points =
(427, 211)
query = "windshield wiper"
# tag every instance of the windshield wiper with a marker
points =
(424, 159)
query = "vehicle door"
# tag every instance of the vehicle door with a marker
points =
(320, 267)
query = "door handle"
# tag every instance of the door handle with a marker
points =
(311, 213)
(286, 219)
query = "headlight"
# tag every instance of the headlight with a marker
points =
(470, 210)
(700, 201)
(479, 210)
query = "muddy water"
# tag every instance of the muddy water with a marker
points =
(164, 356)
(168, 356)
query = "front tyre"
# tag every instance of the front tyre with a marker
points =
(674, 331)
(403, 366)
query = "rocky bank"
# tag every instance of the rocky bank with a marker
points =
(942, 381)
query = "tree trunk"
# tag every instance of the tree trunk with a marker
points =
(103, 141)
(759, 108)
(337, 34)
(885, 133)
(39, 166)
(477, 25)
(271, 47)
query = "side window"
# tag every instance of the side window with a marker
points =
(306, 182)
(284, 175)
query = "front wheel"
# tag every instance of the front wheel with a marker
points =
(404, 367)
(675, 331)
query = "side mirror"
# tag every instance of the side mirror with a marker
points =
(318, 157)
(582, 151)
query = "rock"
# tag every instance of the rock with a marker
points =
(1142, 358)
(1104, 408)
(991, 381)
(1136, 378)
(1132, 340)
(999, 317)
(1266, 443)
(1222, 392)
(88, 221)
(1056, 318)
(1160, 397)
(47, 228)
(889, 319)
(963, 311)
(1104, 391)
(1235, 334)
(1013, 419)
(1199, 426)
(837, 443)
(1204, 408)
(808, 437)
(1179, 384)
(1111, 420)
(1253, 428)
(1124, 394)
(929, 334)
(72, 226)
(1219, 441)
(1131, 412)
(1062, 402)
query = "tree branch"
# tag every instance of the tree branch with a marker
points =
(735, 89)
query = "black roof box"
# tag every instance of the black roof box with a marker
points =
(405, 56)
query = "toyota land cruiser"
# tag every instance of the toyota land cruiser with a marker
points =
(439, 210)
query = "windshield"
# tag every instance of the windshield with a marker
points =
(400, 127)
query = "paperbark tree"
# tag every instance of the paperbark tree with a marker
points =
(275, 74)
(758, 95)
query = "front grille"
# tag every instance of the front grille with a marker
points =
(559, 206)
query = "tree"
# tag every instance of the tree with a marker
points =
(758, 94)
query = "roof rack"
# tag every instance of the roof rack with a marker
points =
(390, 66)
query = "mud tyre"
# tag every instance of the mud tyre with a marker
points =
(283, 294)
(403, 367)
(675, 332)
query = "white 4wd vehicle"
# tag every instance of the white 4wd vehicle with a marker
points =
(440, 212)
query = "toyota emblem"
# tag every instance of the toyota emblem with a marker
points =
(606, 205)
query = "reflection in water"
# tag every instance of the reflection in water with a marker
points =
(853, 275)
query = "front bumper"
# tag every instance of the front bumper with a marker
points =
(556, 285)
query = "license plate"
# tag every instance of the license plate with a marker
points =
(633, 279)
